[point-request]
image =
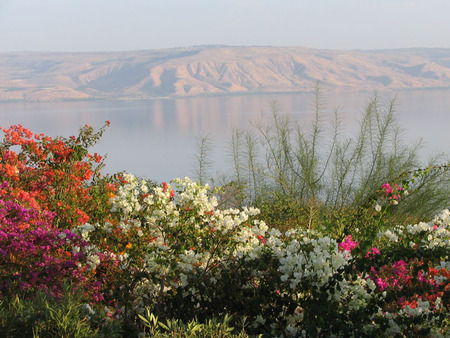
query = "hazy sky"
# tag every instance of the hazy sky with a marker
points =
(114, 25)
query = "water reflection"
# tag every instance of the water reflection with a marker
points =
(156, 139)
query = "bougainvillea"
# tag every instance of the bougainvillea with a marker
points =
(48, 186)
(56, 174)
(37, 256)
(176, 247)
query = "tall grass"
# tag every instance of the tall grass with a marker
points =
(202, 163)
(45, 316)
(306, 175)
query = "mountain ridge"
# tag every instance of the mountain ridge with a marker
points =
(215, 70)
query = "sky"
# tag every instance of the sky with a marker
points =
(126, 25)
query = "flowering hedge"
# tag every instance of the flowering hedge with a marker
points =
(137, 246)
(185, 258)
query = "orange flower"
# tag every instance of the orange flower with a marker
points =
(97, 158)
(11, 170)
(23, 226)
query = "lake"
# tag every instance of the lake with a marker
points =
(157, 139)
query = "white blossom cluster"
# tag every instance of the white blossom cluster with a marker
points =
(91, 251)
(303, 257)
(427, 235)
(126, 200)
(157, 212)
(353, 295)
(84, 230)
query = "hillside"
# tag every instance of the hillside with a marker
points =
(215, 70)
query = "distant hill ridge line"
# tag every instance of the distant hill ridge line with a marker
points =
(215, 70)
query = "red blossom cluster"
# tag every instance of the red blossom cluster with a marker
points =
(51, 173)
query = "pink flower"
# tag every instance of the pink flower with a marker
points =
(381, 284)
(387, 188)
(372, 253)
(347, 244)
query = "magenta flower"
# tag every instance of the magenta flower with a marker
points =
(347, 244)
(37, 256)
(372, 253)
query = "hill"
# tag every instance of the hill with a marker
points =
(215, 70)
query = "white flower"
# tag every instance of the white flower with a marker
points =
(88, 307)
(378, 208)
(93, 261)
(259, 319)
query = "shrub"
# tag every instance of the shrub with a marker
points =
(188, 260)
(37, 256)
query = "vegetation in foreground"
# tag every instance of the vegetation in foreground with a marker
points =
(322, 248)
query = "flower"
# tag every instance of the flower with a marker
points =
(372, 252)
(348, 244)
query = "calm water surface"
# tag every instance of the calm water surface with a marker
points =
(157, 139)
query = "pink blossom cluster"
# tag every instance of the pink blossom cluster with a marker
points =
(392, 193)
(347, 244)
(401, 277)
(396, 276)
(372, 253)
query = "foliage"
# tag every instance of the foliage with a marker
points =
(46, 316)
(176, 328)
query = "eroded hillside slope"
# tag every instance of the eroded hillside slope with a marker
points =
(215, 71)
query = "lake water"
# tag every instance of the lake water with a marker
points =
(157, 139)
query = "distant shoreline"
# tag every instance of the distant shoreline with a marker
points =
(212, 95)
